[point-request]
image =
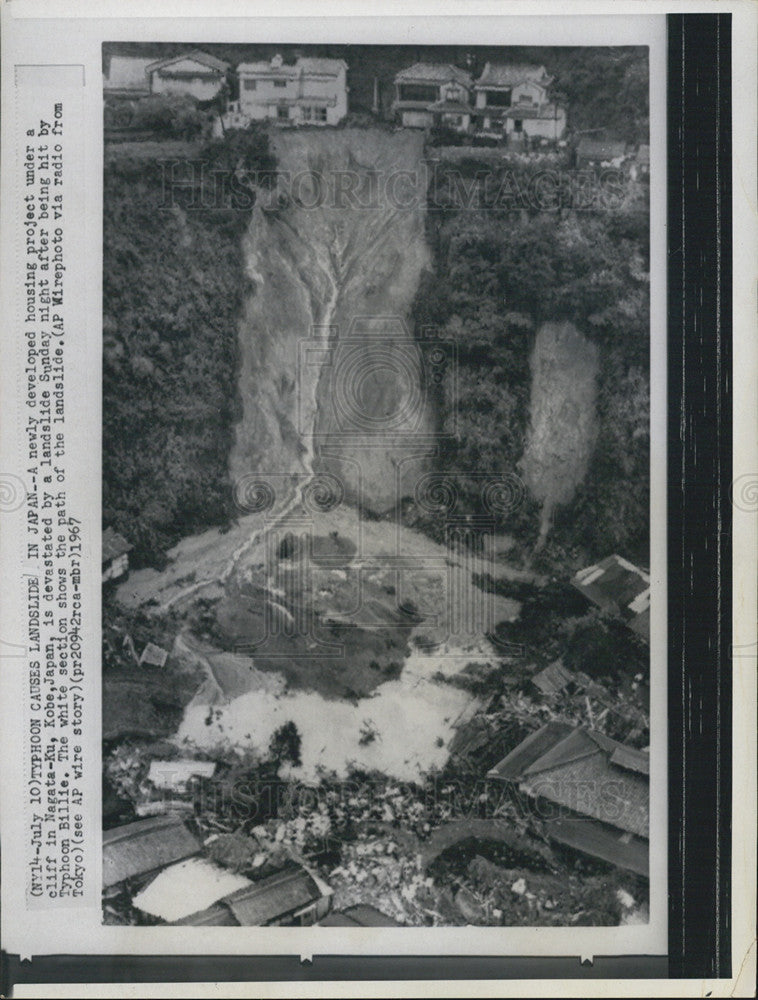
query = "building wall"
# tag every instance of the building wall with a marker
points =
(263, 100)
(199, 87)
(417, 119)
(530, 91)
(544, 128)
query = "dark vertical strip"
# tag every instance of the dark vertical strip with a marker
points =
(700, 473)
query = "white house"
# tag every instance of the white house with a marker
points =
(195, 73)
(310, 91)
(124, 76)
(513, 98)
(429, 94)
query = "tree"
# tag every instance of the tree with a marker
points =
(285, 745)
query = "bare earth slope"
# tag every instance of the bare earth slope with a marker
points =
(331, 378)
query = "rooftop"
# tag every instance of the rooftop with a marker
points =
(275, 896)
(584, 771)
(618, 586)
(511, 74)
(421, 72)
(194, 55)
(141, 847)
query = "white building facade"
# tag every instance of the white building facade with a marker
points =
(513, 99)
(429, 94)
(309, 91)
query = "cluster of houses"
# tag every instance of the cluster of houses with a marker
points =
(509, 100)
(586, 792)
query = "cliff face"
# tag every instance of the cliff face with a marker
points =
(332, 380)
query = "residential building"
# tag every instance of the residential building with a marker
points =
(125, 76)
(310, 91)
(621, 588)
(195, 73)
(513, 99)
(428, 94)
(590, 793)
(137, 849)
(295, 896)
(115, 555)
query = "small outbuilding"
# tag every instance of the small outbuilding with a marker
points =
(115, 555)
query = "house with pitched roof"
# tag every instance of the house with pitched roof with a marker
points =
(294, 896)
(196, 73)
(428, 94)
(513, 99)
(590, 793)
(310, 91)
(621, 588)
(138, 849)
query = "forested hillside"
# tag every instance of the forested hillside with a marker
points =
(173, 283)
(499, 274)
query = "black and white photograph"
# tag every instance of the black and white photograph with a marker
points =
(376, 485)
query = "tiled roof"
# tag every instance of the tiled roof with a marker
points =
(321, 67)
(217, 915)
(618, 586)
(456, 107)
(600, 842)
(141, 847)
(114, 545)
(511, 74)
(273, 897)
(195, 55)
(512, 766)
(553, 679)
(305, 66)
(584, 771)
(421, 72)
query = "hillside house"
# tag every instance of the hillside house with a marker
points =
(429, 94)
(195, 73)
(125, 76)
(307, 92)
(115, 555)
(513, 99)
(590, 792)
(621, 588)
